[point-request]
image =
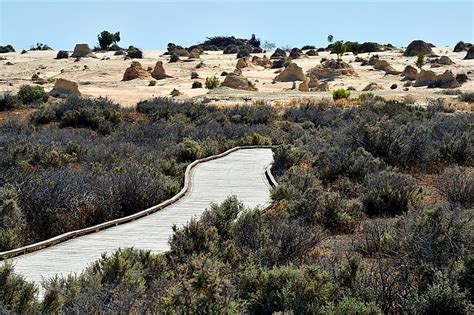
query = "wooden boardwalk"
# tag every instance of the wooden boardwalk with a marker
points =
(241, 173)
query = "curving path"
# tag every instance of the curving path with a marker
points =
(240, 173)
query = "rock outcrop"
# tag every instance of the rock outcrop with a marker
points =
(373, 87)
(462, 46)
(296, 53)
(238, 82)
(159, 72)
(428, 78)
(417, 47)
(64, 87)
(195, 53)
(244, 63)
(82, 51)
(291, 73)
(445, 60)
(385, 66)
(6, 49)
(263, 62)
(279, 53)
(470, 53)
(62, 54)
(462, 78)
(181, 52)
(304, 86)
(175, 93)
(331, 69)
(136, 71)
(410, 73)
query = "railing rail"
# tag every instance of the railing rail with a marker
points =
(102, 226)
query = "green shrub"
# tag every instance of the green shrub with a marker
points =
(434, 238)
(212, 82)
(174, 58)
(467, 97)
(340, 93)
(29, 94)
(420, 61)
(44, 116)
(456, 184)
(16, 294)
(99, 114)
(389, 193)
(197, 85)
(369, 98)
(152, 83)
(190, 150)
(304, 290)
(349, 305)
(443, 298)
(134, 52)
(9, 101)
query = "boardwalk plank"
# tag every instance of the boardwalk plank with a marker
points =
(241, 173)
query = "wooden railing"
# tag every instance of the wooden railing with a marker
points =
(102, 226)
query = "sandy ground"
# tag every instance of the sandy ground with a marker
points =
(104, 77)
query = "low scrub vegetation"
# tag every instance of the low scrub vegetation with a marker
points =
(340, 94)
(29, 94)
(212, 82)
(344, 173)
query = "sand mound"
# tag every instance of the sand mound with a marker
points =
(136, 71)
(238, 82)
(64, 87)
(291, 73)
(373, 87)
(182, 52)
(417, 47)
(82, 51)
(385, 66)
(159, 71)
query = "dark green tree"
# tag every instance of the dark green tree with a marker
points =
(106, 39)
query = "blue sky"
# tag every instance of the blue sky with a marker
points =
(152, 24)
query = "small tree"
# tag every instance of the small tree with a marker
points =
(106, 39)
(212, 82)
(254, 41)
(330, 38)
(11, 219)
(339, 48)
(269, 46)
(420, 61)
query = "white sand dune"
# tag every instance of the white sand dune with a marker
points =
(103, 77)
